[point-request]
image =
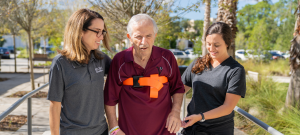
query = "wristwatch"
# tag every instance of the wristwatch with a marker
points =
(203, 119)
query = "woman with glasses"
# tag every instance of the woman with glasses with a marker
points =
(76, 77)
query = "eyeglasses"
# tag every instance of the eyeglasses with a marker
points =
(98, 32)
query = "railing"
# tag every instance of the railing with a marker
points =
(20, 101)
(257, 121)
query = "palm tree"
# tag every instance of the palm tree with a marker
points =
(227, 13)
(205, 24)
(293, 94)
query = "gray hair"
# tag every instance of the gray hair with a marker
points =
(137, 19)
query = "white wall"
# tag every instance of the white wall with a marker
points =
(9, 41)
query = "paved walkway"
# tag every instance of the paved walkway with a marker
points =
(40, 106)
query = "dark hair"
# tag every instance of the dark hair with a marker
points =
(216, 28)
(93, 15)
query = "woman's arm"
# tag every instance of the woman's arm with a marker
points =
(231, 101)
(54, 117)
(186, 88)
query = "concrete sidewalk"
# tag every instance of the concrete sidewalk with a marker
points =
(40, 106)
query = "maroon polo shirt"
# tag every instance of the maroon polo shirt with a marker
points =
(138, 113)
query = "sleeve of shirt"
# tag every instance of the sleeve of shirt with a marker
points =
(113, 85)
(187, 76)
(107, 63)
(237, 82)
(56, 82)
(175, 83)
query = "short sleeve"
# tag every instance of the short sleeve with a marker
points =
(56, 82)
(237, 82)
(107, 63)
(112, 85)
(176, 86)
(187, 76)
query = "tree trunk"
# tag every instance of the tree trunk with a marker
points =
(30, 60)
(227, 13)
(205, 25)
(293, 94)
(15, 51)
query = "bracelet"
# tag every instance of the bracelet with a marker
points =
(115, 132)
(113, 129)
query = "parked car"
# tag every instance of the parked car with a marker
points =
(180, 55)
(49, 50)
(255, 55)
(241, 54)
(286, 55)
(190, 53)
(11, 49)
(172, 50)
(273, 55)
(4, 52)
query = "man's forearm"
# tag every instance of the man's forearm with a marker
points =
(111, 116)
(54, 117)
(177, 101)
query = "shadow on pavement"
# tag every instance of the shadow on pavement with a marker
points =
(16, 79)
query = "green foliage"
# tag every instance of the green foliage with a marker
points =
(23, 54)
(266, 26)
(2, 41)
(275, 67)
(268, 98)
(168, 33)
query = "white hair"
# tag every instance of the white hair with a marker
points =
(139, 18)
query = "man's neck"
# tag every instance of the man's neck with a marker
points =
(141, 60)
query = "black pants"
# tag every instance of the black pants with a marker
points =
(105, 132)
(226, 128)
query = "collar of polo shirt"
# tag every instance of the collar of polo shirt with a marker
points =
(76, 64)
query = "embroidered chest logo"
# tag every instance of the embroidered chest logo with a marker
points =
(98, 69)
(159, 70)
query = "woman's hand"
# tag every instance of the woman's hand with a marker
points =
(191, 120)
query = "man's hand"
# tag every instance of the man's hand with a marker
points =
(120, 133)
(191, 120)
(173, 121)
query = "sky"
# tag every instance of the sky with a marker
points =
(214, 8)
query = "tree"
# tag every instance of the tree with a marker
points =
(227, 13)
(11, 27)
(2, 41)
(119, 12)
(206, 25)
(24, 13)
(293, 94)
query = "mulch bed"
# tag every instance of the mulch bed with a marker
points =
(40, 94)
(12, 122)
(3, 79)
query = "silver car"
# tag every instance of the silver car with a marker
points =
(180, 55)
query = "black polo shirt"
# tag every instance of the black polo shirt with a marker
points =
(211, 85)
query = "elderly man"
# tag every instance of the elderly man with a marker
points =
(146, 82)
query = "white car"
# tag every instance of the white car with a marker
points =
(286, 55)
(252, 55)
(240, 54)
(190, 53)
(180, 55)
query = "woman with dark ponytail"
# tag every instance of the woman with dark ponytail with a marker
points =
(218, 82)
